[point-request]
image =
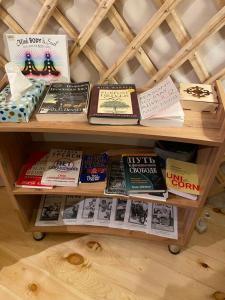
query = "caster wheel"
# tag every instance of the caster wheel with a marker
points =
(174, 249)
(201, 226)
(38, 236)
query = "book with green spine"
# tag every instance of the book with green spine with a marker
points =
(143, 174)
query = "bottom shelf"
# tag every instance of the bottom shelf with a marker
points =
(89, 229)
(29, 204)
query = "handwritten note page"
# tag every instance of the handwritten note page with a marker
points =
(159, 98)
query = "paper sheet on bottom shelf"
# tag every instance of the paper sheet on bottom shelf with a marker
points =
(70, 208)
(162, 220)
(136, 215)
(118, 212)
(87, 211)
(103, 212)
(49, 211)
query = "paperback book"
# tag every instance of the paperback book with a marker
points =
(115, 184)
(49, 211)
(113, 104)
(160, 106)
(182, 178)
(163, 220)
(62, 168)
(42, 56)
(143, 174)
(93, 168)
(31, 173)
(65, 102)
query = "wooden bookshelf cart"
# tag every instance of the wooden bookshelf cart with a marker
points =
(16, 143)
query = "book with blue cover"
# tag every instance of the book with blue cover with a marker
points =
(93, 168)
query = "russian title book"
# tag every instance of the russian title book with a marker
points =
(70, 209)
(143, 174)
(182, 178)
(103, 211)
(62, 168)
(162, 220)
(65, 102)
(115, 184)
(160, 106)
(93, 168)
(114, 104)
(42, 56)
(49, 210)
(31, 173)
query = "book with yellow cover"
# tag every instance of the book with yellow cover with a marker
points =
(182, 176)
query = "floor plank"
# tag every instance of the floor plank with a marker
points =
(105, 267)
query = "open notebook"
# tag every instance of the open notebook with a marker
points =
(160, 106)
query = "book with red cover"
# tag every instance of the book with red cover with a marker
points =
(31, 173)
(114, 104)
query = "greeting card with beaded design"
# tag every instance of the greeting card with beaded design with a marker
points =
(40, 56)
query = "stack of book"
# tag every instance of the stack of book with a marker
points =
(156, 219)
(61, 167)
(137, 175)
(112, 104)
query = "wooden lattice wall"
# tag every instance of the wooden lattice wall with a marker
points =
(135, 43)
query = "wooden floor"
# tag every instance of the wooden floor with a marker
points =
(103, 267)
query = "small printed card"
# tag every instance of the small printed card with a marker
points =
(49, 211)
(103, 211)
(70, 210)
(118, 212)
(163, 220)
(137, 215)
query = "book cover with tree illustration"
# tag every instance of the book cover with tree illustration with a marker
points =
(117, 101)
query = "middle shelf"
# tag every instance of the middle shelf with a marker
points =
(97, 190)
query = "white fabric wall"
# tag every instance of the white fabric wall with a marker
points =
(108, 44)
(161, 46)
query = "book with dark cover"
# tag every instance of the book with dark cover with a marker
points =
(65, 102)
(115, 178)
(143, 174)
(114, 104)
(93, 168)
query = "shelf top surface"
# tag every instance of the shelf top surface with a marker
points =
(97, 190)
(189, 134)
